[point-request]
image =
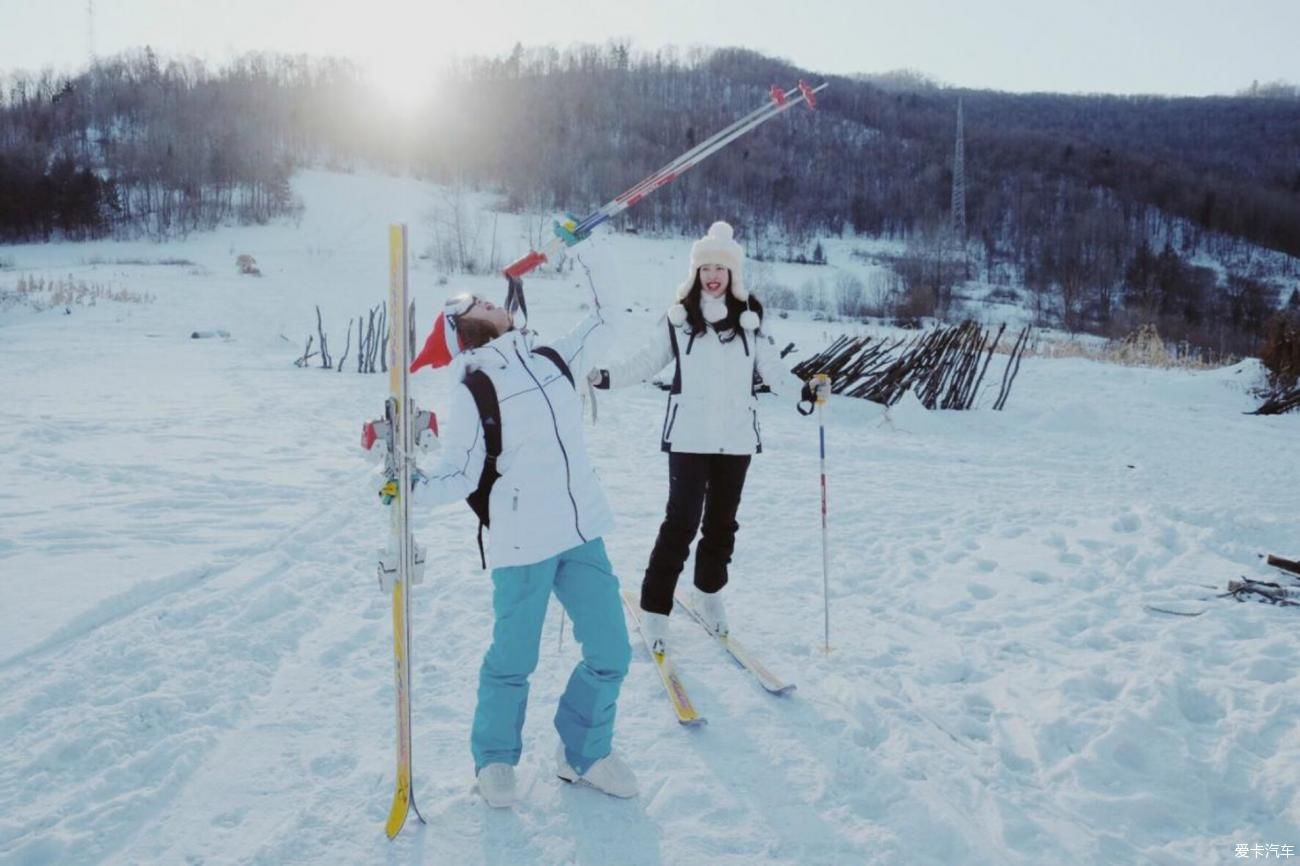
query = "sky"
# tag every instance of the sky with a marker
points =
(1176, 47)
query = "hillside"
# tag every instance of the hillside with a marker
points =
(1102, 213)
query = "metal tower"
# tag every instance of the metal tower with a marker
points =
(959, 181)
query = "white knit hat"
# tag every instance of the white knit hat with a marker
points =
(717, 248)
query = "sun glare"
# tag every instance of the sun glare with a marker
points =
(405, 62)
(405, 83)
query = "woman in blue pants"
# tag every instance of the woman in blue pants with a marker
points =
(548, 515)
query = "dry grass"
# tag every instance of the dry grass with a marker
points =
(138, 262)
(1142, 348)
(42, 294)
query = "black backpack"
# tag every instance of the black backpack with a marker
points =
(489, 413)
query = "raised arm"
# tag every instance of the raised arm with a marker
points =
(582, 345)
(650, 359)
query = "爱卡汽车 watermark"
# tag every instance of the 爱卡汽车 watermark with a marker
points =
(1264, 851)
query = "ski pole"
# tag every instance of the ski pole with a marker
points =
(822, 388)
(588, 392)
(572, 231)
(781, 101)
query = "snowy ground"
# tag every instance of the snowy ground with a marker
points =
(195, 661)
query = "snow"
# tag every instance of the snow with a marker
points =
(195, 662)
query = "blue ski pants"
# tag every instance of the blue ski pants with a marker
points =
(584, 582)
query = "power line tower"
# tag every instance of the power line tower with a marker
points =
(959, 181)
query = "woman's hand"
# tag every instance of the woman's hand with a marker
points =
(389, 491)
(598, 379)
(815, 390)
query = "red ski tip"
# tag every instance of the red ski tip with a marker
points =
(368, 435)
(778, 95)
(809, 97)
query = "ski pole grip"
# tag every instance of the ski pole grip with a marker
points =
(522, 266)
(822, 387)
(567, 231)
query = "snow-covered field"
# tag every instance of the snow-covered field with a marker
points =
(195, 662)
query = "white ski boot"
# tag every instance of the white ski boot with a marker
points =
(655, 627)
(610, 775)
(713, 611)
(496, 782)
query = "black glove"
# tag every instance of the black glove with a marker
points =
(807, 396)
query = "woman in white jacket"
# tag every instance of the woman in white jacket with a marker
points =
(714, 336)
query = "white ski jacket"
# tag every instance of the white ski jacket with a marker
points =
(548, 498)
(712, 407)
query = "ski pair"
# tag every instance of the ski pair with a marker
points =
(677, 695)
(400, 565)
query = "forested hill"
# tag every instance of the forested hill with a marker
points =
(143, 143)
(875, 158)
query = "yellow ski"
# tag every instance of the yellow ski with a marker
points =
(681, 701)
(402, 795)
(742, 656)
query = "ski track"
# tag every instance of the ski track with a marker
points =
(145, 697)
(151, 591)
(209, 677)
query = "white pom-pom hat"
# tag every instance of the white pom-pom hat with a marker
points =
(718, 247)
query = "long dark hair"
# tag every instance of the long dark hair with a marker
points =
(728, 327)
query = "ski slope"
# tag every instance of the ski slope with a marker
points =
(195, 660)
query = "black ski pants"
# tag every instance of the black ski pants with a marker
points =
(699, 485)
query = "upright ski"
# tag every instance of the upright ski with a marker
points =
(742, 656)
(677, 695)
(399, 564)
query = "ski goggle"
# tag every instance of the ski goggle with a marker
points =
(458, 305)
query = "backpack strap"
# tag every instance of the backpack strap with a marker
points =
(555, 358)
(489, 414)
(677, 360)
